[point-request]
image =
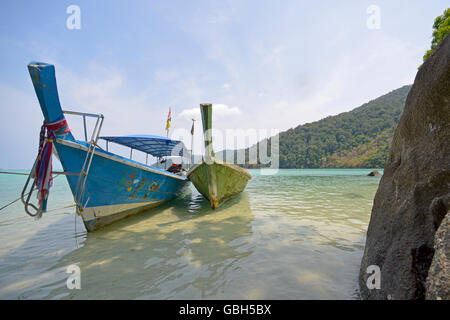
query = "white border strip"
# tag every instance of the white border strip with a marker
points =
(92, 213)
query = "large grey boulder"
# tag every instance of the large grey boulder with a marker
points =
(413, 196)
(438, 280)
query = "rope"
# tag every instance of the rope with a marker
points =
(75, 232)
(24, 217)
(65, 207)
(42, 167)
(11, 202)
(7, 205)
(19, 173)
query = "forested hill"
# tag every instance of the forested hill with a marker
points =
(356, 139)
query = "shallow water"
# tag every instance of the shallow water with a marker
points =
(298, 234)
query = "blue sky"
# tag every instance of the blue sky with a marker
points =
(266, 64)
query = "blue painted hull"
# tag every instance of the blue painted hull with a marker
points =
(116, 187)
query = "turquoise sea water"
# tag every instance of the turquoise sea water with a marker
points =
(298, 234)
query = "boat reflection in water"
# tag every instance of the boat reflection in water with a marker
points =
(169, 252)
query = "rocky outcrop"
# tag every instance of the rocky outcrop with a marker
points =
(413, 196)
(438, 280)
(374, 173)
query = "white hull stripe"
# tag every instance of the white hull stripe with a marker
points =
(92, 213)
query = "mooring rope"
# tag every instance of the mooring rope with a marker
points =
(7, 205)
(25, 217)
(65, 207)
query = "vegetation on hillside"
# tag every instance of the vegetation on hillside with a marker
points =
(356, 139)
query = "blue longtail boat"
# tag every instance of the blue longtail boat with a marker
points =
(106, 187)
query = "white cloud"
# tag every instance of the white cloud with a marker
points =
(20, 125)
(226, 86)
(188, 114)
(219, 111)
(223, 110)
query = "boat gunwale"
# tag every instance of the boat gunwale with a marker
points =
(220, 162)
(112, 156)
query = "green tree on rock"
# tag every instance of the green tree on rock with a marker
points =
(441, 28)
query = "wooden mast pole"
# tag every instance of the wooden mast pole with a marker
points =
(206, 112)
(192, 143)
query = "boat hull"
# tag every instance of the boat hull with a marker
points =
(218, 181)
(116, 187)
(93, 222)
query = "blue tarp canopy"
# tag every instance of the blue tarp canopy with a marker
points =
(157, 146)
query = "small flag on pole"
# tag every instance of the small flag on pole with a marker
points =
(169, 119)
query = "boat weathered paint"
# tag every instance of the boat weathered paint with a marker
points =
(112, 187)
(217, 180)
